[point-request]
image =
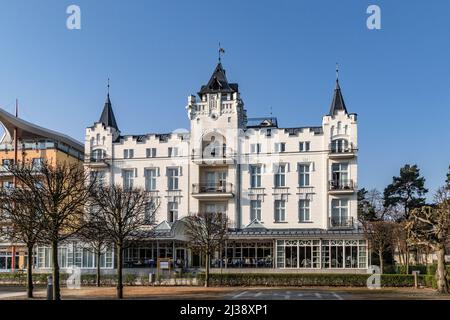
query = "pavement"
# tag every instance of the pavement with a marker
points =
(12, 292)
(227, 293)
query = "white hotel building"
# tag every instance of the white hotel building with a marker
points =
(290, 193)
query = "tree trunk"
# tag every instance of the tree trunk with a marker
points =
(99, 256)
(56, 288)
(119, 255)
(407, 260)
(380, 256)
(207, 270)
(441, 272)
(30, 272)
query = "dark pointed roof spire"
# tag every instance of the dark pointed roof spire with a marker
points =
(107, 117)
(338, 100)
(219, 83)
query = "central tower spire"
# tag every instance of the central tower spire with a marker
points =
(107, 117)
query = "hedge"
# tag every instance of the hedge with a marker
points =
(424, 269)
(299, 280)
(91, 279)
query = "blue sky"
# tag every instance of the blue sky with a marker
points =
(282, 54)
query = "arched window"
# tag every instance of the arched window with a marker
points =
(98, 155)
(339, 146)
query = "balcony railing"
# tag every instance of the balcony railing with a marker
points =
(98, 161)
(341, 222)
(341, 185)
(218, 188)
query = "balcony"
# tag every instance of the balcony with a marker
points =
(97, 162)
(341, 223)
(212, 190)
(342, 151)
(341, 187)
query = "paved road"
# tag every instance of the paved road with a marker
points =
(285, 295)
(231, 294)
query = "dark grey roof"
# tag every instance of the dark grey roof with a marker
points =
(296, 131)
(219, 83)
(280, 233)
(338, 101)
(27, 130)
(107, 117)
(269, 122)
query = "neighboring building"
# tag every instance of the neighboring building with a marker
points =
(23, 142)
(290, 193)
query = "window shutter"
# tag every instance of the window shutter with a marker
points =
(135, 172)
(181, 171)
(288, 167)
(158, 173)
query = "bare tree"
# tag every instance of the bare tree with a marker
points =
(96, 239)
(22, 223)
(207, 232)
(60, 192)
(380, 235)
(430, 226)
(400, 240)
(124, 214)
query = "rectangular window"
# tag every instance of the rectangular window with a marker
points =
(255, 176)
(339, 212)
(303, 175)
(172, 178)
(37, 163)
(280, 147)
(303, 211)
(173, 152)
(304, 146)
(255, 210)
(128, 177)
(128, 153)
(7, 162)
(150, 179)
(255, 148)
(150, 210)
(98, 177)
(280, 210)
(172, 214)
(280, 176)
(151, 152)
(340, 174)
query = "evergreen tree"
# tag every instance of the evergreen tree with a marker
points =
(407, 191)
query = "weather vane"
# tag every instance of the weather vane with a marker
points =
(221, 52)
(108, 86)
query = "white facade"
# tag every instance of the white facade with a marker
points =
(264, 177)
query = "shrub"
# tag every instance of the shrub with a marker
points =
(431, 269)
